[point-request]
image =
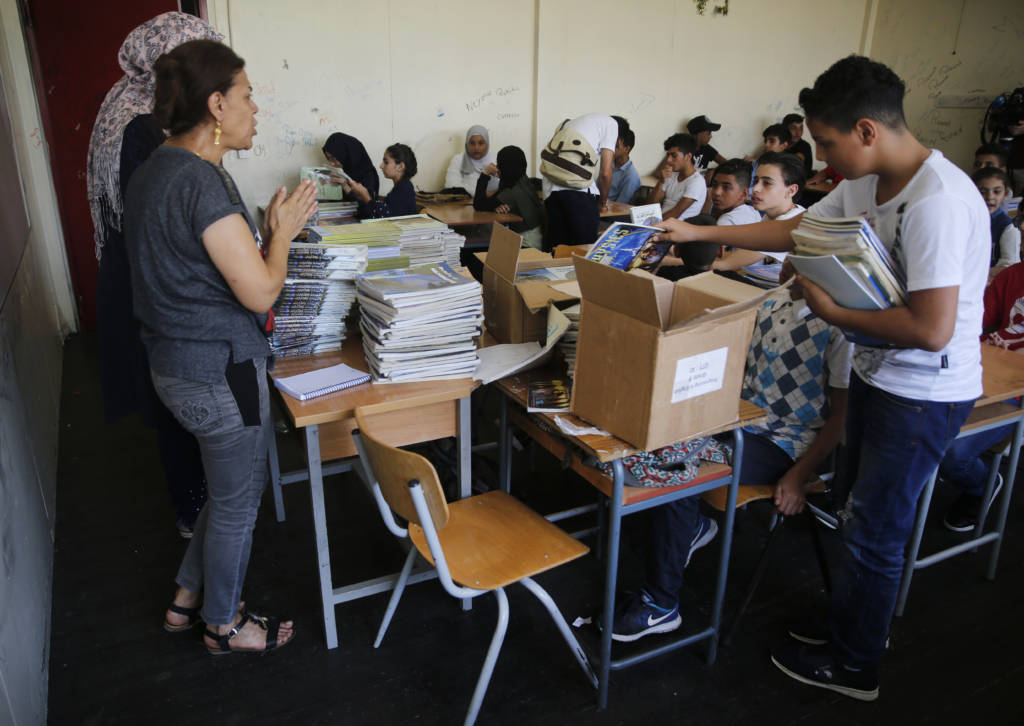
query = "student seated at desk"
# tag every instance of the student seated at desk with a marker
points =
(348, 154)
(467, 166)
(994, 186)
(399, 166)
(729, 184)
(701, 128)
(516, 195)
(625, 179)
(680, 190)
(797, 146)
(806, 403)
(779, 178)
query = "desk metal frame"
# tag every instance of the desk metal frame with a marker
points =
(979, 537)
(314, 474)
(616, 511)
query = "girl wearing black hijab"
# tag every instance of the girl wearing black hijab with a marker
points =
(348, 153)
(516, 195)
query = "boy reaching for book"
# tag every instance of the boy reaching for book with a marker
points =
(798, 369)
(907, 401)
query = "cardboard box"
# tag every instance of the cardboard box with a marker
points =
(659, 362)
(517, 312)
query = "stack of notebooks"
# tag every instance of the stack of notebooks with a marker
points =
(568, 342)
(419, 324)
(845, 257)
(309, 315)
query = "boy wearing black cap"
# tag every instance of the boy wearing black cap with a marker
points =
(700, 128)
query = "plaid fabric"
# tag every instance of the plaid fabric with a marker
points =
(786, 375)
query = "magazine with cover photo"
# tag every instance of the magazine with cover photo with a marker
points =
(629, 247)
(549, 396)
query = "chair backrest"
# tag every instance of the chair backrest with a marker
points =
(394, 469)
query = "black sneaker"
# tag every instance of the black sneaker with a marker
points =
(640, 616)
(815, 666)
(962, 515)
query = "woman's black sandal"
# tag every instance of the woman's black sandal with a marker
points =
(269, 623)
(191, 613)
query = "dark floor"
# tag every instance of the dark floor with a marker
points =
(955, 659)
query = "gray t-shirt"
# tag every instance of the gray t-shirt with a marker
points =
(192, 324)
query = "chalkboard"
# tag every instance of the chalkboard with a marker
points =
(14, 222)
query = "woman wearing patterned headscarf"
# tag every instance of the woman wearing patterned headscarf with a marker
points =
(466, 166)
(122, 138)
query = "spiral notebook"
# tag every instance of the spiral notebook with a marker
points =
(321, 382)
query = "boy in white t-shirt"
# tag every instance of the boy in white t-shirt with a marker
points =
(908, 401)
(779, 177)
(680, 190)
(573, 214)
(730, 181)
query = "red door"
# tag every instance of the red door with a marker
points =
(75, 46)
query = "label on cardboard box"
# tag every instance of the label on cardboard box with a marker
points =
(699, 374)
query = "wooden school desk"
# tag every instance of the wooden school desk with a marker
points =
(421, 411)
(461, 214)
(616, 209)
(578, 452)
(1002, 379)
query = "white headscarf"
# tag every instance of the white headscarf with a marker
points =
(477, 166)
(130, 97)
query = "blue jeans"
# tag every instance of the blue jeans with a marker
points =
(673, 524)
(963, 466)
(231, 421)
(893, 445)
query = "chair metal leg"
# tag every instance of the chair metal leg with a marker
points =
(986, 499)
(1004, 504)
(755, 579)
(396, 595)
(275, 476)
(914, 546)
(574, 645)
(492, 657)
(819, 551)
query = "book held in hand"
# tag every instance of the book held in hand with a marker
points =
(629, 247)
(550, 396)
(322, 381)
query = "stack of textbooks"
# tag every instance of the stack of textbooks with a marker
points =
(334, 213)
(309, 315)
(845, 257)
(628, 247)
(381, 238)
(568, 342)
(453, 244)
(419, 324)
(422, 239)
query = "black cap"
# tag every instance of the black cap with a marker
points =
(701, 123)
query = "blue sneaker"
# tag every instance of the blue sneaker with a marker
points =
(705, 531)
(640, 617)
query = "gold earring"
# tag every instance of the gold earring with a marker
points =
(216, 135)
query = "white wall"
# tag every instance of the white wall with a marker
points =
(951, 52)
(36, 314)
(422, 72)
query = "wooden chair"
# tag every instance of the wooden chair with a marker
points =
(716, 498)
(478, 545)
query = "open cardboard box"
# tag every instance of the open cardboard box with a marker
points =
(517, 312)
(659, 362)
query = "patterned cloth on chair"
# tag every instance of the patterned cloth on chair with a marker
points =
(671, 465)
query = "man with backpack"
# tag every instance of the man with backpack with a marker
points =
(577, 169)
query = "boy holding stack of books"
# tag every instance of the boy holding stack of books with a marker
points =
(911, 391)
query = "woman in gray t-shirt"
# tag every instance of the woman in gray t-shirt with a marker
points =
(203, 279)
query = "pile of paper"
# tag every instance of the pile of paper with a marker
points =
(334, 213)
(419, 324)
(309, 315)
(381, 238)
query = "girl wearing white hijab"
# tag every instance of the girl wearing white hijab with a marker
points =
(466, 166)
